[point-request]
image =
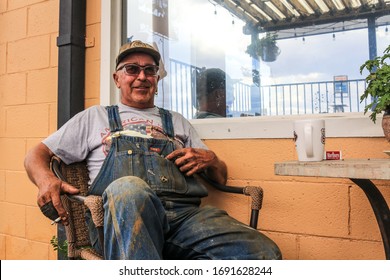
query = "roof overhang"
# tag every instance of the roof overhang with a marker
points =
(278, 15)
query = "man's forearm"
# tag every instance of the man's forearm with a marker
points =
(37, 164)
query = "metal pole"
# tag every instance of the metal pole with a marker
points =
(71, 59)
(71, 69)
(371, 37)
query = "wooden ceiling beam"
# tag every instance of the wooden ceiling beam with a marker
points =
(250, 9)
(383, 3)
(258, 22)
(282, 8)
(364, 2)
(314, 6)
(298, 7)
(243, 15)
(331, 5)
(347, 7)
(267, 10)
(324, 19)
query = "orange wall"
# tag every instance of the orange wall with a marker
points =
(28, 113)
(309, 218)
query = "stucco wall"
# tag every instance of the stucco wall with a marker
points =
(309, 218)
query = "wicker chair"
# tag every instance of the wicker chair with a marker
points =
(76, 174)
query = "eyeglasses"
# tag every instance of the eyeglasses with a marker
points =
(135, 69)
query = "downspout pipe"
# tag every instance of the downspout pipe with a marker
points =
(71, 70)
(71, 59)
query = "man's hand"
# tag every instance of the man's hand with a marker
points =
(193, 160)
(51, 192)
(37, 164)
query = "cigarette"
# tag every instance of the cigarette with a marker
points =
(56, 221)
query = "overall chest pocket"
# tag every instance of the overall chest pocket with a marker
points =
(162, 175)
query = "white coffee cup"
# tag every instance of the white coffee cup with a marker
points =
(309, 137)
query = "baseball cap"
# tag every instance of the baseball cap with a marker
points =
(137, 46)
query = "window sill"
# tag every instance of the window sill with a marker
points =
(336, 125)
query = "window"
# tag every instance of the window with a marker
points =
(312, 74)
(316, 72)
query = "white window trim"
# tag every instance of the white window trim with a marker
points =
(336, 125)
(110, 42)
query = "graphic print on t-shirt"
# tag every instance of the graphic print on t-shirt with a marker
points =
(137, 128)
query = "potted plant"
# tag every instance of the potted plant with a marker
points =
(265, 48)
(378, 88)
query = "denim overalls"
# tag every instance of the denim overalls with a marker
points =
(151, 210)
(145, 158)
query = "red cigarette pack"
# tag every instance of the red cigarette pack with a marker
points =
(333, 155)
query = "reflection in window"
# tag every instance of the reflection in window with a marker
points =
(214, 93)
(311, 74)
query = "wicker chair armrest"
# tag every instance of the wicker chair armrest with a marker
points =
(223, 188)
(55, 167)
(95, 205)
(90, 254)
(255, 192)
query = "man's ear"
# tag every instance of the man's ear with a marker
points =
(115, 76)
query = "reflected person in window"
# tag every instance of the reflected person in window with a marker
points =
(142, 160)
(214, 93)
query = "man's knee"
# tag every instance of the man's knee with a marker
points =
(272, 252)
(128, 187)
(266, 248)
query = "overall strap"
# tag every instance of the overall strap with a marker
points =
(167, 123)
(114, 119)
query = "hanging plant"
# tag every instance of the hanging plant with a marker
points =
(265, 48)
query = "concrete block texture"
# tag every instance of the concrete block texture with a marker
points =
(17, 4)
(3, 57)
(19, 27)
(13, 219)
(42, 86)
(321, 218)
(12, 152)
(2, 185)
(24, 249)
(28, 54)
(2, 247)
(38, 227)
(92, 78)
(13, 88)
(17, 183)
(41, 19)
(322, 248)
(27, 121)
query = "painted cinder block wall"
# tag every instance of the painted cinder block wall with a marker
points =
(310, 218)
(28, 113)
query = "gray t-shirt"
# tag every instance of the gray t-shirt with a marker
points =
(87, 134)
